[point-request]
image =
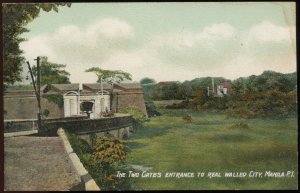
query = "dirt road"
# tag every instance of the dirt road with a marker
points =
(38, 164)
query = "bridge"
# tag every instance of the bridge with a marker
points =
(119, 126)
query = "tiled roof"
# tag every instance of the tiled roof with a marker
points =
(87, 88)
(97, 86)
(130, 85)
(66, 87)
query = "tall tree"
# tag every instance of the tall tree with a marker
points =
(15, 18)
(52, 73)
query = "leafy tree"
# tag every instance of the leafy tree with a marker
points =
(14, 19)
(166, 90)
(110, 75)
(203, 83)
(148, 91)
(238, 86)
(52, 73)
(267, 81)
(147, 80)
(184, 91)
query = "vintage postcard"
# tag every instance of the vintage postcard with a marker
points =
(150, 96)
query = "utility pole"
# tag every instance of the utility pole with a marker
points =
(38, 89)
(213, 85)
(102, 98)
(208, 91)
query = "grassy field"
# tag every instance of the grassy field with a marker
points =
(214, 143)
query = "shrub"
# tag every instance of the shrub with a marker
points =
(55, 98)
(138, 116)
(108, 156)
(46, 113)
(272, 103)
(151, 109)
(103, 158)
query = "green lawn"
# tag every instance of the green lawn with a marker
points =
(211, 144)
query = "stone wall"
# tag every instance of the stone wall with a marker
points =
(25, 107)
(132, 100)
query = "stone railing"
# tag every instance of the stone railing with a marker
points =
(86, 126)
(15, 125)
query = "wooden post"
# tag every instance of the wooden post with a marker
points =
(39, 91)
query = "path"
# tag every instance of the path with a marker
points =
(38, 164)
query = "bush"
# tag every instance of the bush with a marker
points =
(138, 116)
(151, 109)
(55, 98)
(103, 158)
(46, 113)
(273, 103)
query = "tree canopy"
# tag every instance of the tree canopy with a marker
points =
(110, 75)
(15, 18)
(147, 80)
(52, 73)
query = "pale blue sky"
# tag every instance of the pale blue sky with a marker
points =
(167, 41)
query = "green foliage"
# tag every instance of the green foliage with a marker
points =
(203, 83)
(138, 116)
(181, 91)
(55, 98)
(273, 103)
(148, 91)
(103, 158)
(268, 80)
(200, 98)
(151, 109)
(46, 113)
(15, 16)
(52, 73)
(109, 154)
(147, 80)
(270, 94)
(165, 91)
(108, 74)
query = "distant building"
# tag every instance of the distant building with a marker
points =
(166, 83)
(224, 89)
(22, 104)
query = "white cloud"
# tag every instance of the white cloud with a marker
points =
(82, 48)
(71, 44)
(111, 28)
(268, 32)
(215, 50)
(219, 30)
(208, 36)
(38, 46)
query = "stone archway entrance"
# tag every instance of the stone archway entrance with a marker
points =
(87, 107)
(92, 104)
(71, 104)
